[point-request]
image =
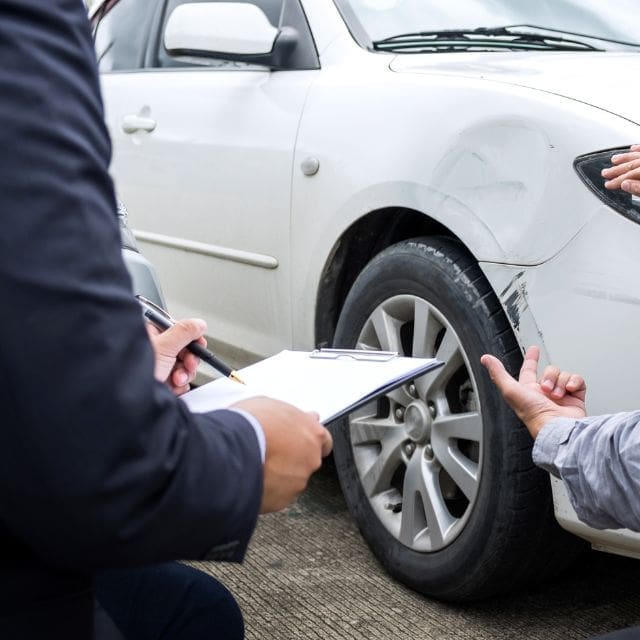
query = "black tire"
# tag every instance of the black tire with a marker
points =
(474, 514)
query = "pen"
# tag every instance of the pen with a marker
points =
(160, 319)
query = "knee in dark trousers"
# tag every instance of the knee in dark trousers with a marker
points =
(167, 601)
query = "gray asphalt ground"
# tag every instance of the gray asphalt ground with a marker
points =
(308, 574)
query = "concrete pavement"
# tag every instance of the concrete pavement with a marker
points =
(308, 574)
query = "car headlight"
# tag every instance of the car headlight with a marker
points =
(589, 167)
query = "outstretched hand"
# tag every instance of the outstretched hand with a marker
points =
(556, 394)
(625, 172)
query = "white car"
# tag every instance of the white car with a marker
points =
(409, 175)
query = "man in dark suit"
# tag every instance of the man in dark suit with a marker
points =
(100, 466)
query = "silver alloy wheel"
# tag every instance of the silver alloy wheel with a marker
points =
(418, 451)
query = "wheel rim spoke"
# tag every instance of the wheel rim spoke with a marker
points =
(387, 331)
(429, 384)
(423, 505)
(425, 329)
(463, 471)
(377, 478)
(400, 396)
(450, 353)
(467, 426)
(369, 430)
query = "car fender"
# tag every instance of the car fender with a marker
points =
(501, 160)
(494, 158)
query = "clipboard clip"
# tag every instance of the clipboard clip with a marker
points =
(354, 354)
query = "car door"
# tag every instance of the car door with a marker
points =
(203, 152)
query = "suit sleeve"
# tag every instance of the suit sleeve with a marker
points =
(598, 459)
(100, 465)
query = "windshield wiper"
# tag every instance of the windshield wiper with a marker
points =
(510, 28)
(479, 38)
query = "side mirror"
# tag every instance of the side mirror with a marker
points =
(229, 31)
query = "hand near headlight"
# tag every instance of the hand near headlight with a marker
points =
(625, 172)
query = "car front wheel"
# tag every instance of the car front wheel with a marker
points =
(438, 474)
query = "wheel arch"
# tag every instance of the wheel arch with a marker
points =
(358, 244)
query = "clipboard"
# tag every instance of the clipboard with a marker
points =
(332, 382)
(356, 354)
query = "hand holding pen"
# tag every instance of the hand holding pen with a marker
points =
(160, 319)
(174, 365)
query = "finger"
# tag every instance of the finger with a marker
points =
(631, 186)
(152, 331)
(616, 183)
(561, 385)
(621, 159)
(189, 361)
(616, 175)
(201, 340)
(621, 164)
(327, 443)
(498, 374)
(529, 368)
(178, 391)
(577, 386)
(172, 341)
(635, 147)
(616, 178)
(632, 174)
(549, 378)
(181, 376)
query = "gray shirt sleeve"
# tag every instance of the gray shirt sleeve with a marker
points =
(598, 460)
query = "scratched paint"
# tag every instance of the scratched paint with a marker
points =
(514, 299)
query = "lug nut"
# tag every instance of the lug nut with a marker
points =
(399, 413)
(409, 448)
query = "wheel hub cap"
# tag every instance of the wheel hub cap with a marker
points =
(417, 422)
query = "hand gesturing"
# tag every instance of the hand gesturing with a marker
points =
(536, 401)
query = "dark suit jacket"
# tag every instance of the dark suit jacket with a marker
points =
(100, 466)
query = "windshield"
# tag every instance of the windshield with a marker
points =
(381, 19)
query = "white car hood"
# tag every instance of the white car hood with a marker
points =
(607, 80)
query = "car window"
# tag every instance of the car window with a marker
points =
(271, 8)
(120, 34)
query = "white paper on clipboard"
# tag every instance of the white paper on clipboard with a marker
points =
(332, 385)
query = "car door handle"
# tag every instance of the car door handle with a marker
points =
(133, 123)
